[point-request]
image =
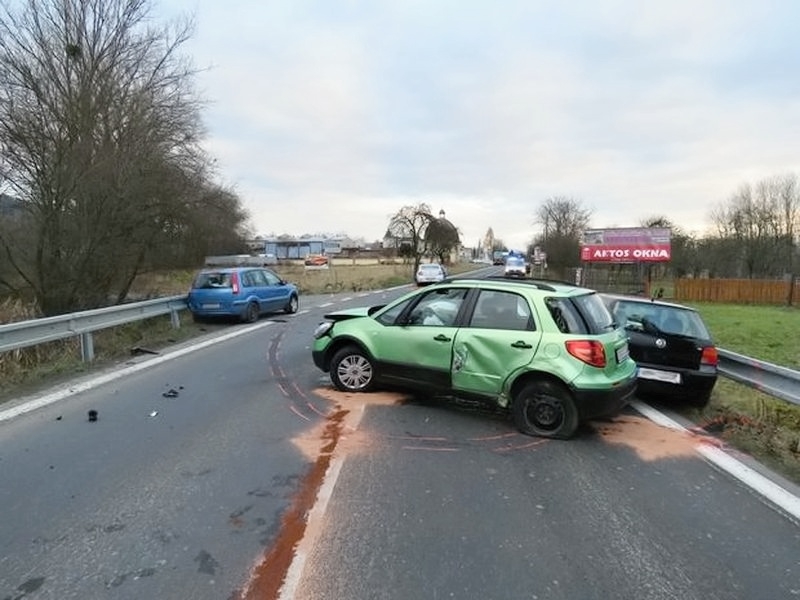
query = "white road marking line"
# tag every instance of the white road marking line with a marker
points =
(313, 523)
(751, 478)
(70, 390)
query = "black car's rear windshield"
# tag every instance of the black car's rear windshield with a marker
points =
(667, 319)
(584, 314)
(212, 279)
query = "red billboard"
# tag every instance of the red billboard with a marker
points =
(626, 245)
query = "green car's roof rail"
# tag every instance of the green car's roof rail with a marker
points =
(538, 283)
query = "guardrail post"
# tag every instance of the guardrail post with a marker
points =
(175, 319)
(87, 347)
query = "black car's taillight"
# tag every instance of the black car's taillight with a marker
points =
(709, 356)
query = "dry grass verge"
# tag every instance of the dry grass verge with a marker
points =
(24, 369)
(765, 427)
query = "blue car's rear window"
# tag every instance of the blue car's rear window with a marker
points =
(211, 280)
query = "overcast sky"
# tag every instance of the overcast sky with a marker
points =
(331, 115)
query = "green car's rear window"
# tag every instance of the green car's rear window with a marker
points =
(585, 314)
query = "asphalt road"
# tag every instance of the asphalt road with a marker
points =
(249, 468)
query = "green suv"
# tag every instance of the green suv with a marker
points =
(547, 351)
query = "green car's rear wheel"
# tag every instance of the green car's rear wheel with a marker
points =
(352, 370)
(545, 409)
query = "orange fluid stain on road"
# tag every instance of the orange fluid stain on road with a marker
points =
(335, 436)
(649, 440)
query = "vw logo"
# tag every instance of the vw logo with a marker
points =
(661, 343)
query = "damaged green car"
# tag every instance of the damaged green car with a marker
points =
(549, 352)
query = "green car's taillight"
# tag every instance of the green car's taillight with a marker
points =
(591, 352)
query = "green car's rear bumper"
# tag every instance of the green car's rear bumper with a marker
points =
(592, 404)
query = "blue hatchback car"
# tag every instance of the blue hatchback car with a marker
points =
(241, 292)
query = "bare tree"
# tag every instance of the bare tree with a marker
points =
(408, 226)
(563, 220)
(762, 220)
(99, 132)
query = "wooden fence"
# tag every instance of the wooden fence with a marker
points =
(738, 291)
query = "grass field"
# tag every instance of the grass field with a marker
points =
(759, 424)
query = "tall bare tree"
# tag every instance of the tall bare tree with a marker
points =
(563, 220)
(99, 134)
(761, 220)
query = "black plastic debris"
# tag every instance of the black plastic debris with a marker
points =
(170, 393)
(92, 416)
(136, 350)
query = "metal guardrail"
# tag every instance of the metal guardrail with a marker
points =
(38, 331)
(777, 381)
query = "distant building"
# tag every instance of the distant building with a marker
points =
(291, 248)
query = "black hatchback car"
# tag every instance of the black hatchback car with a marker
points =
(671, 345)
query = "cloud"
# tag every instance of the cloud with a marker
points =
(332, 116)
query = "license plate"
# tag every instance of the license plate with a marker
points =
(212, 305)
(623, 354)
(656, 375)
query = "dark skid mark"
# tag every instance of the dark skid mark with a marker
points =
(235, 518)
(105, 528)
(268, 575)
(196, 473)
(238, 513)
(206, 563)
(30, 586)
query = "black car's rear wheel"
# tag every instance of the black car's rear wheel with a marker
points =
(545, 409)
(352, 370)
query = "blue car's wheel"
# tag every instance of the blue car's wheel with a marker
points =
(292, 306)
(251, 313)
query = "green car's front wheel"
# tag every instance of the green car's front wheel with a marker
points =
(546, 409)
(352, 370)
